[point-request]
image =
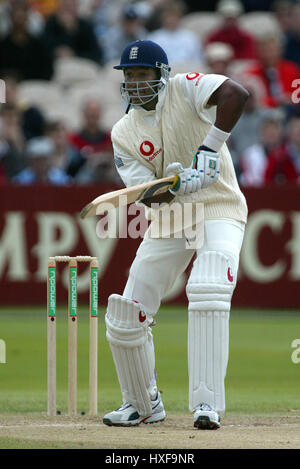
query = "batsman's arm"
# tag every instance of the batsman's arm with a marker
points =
(132, 172)
(230, 99)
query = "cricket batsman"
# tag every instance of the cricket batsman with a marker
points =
(177, 126)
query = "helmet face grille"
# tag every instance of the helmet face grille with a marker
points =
(164, 71)
(138, 93)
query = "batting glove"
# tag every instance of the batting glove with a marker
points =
(189, 179)
(207, 162)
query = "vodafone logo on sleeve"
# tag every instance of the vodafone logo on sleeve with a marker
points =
(193, 75)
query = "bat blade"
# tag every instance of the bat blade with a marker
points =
(126, 196)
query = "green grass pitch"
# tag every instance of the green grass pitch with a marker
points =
(261, 377)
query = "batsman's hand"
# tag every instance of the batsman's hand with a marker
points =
(188, 181)
(207, 162)
(204, 171)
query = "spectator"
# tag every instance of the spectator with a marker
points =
(154, 14)
(95, 147)
(66, 157)
(22, 52)
(283, 12)
(40, 165)
(246, 131)
(276, 74)
(129, 29)
(34, 24)
(243, 44)
(32, 120)
(218, 57)
(11, 161)
(68, 35)
(180, 45)
(254, 160)
(105, 14)
(11, 142)
(284, 163)
(11, 129)
(292, 42)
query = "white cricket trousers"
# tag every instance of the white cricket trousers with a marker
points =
(159, 262)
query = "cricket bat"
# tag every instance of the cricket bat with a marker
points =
(127, 195)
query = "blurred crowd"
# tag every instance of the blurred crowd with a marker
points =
(70, 46)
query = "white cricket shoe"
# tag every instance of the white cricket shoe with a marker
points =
(127, 415)
(206, 418)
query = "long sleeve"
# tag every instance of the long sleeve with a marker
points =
(131, 171)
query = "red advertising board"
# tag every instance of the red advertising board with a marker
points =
(270, 257)
(38, 222)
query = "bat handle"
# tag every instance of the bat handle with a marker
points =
(175, 182)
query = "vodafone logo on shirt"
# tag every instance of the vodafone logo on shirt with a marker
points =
(147, 150)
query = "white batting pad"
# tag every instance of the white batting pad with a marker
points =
(209, 292)
(130, 340)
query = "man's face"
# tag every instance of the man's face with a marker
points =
(92, 114)
(171, 21)
(131, 26)
(132, 75)
(58, 135)
(270, 51)
(218, 66)
(19, 15)
(40, 165)
(69, 6)
(271, 134)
